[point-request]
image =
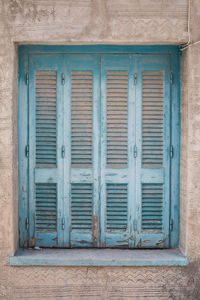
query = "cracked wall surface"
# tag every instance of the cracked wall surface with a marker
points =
(100, 22)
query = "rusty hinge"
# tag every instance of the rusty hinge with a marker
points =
(171, 151)
(171, 78)
(63, 151)
(27, 223)
(95, 230)
(27, 78)
(63, 78)
(27, 151)
(63, 223)
(135, 78)
(171, 224)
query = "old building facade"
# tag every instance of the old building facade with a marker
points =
(114, 22)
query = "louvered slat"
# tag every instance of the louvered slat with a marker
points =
(117, 118)
(152, 207)
(46, 207)
(152, 119)
(81, 118)
(116, 206)
(46, 111)
(81, 206)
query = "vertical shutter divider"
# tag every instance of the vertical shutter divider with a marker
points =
(115, 150)
(84, 96)
(45, 140)
(153, 160)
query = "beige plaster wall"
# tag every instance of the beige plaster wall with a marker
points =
(184, 148)
(96, 21)
(99, 21)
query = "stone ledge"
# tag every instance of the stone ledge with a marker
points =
(98, 257)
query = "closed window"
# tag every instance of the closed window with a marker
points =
(98, 154)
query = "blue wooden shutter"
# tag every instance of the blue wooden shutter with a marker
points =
(99, 150)
(117, 142)
(45, 143)
(153, 142)
(82, 144)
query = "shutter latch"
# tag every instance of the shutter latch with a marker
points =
(135, 78)
(63, 151)
(171, 224)
(63, 78)
(171, 77)
(63, 223)
(27, 78)
(135, 151)
(27, 223)
(27, 151)
(171, 151)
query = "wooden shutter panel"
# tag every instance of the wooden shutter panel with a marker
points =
(82, 141)
(152, 119)
(117, 137)
(153, 140)
(81, 206)
(117, 119)
(116, 207)
(81, 118)
(45, 140)
(46, 118)
(46, 207)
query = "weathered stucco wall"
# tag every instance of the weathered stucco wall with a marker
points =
(190, 172)
(99, 21)
(102, 21)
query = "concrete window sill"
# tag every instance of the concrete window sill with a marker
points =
(98, 257)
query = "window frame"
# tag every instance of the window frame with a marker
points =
(23, 54)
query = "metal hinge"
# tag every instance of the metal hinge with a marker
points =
(171, 151)
(63, 223)
(27, 78)
(171, 224)
(134, 225)
(63, 151)
(27, 223)
(27, 151)
(135, 78)
(63, 78)
(171, 77)
(135, 151)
